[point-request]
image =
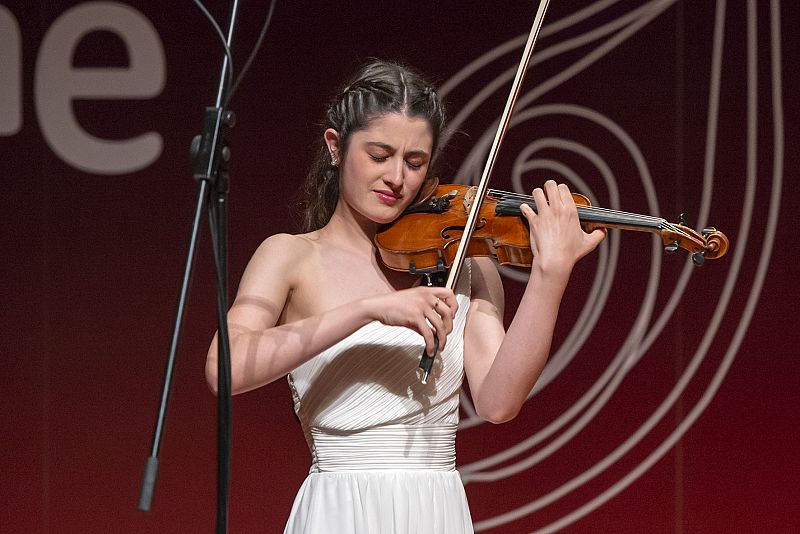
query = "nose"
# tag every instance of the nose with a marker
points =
(395, 174)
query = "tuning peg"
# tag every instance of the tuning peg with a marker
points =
(699, 258)
(682, 219)
(708, 230)
(672, 247)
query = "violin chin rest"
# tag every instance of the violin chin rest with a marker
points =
(428, 188)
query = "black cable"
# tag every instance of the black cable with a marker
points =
(253, 53)
(225, 46)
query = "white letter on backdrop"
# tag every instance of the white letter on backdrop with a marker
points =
(57, 84)
(10, 74)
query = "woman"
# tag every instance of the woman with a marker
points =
(321, 308)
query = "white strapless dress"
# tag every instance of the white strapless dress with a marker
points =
(382, 443)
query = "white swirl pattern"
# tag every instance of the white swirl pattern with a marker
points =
(650, 323)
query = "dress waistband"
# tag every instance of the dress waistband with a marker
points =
(405, 447)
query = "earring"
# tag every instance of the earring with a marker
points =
(334, 160)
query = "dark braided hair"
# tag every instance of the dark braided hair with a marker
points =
(379, 88)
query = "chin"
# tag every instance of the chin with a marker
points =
(385, 220)
(385, 216)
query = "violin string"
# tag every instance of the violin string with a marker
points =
(512, 199)
(528, 198)
(609, 215)
(681, 232)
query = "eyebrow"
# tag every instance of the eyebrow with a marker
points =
(389, 148)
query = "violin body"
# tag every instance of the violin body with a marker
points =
(428, 233)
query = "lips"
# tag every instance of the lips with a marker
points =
(387, 197)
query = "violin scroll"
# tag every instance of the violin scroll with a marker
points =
(711, 244)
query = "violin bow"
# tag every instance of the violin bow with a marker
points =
(426, 362)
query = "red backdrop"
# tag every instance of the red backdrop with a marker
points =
(670, 404)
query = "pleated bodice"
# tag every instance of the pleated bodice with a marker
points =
(382, 443)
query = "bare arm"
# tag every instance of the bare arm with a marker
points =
(262, 350)
(502, 367)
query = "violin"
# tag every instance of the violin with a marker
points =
(426, 236)
(452, 222)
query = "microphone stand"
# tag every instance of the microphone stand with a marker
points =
(211, 158)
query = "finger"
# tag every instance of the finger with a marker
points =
(447, 297)
(438, 326)
(448, 315)
(566, 195)
(424, 329)
(540, 200)
(527, 211)
(596, 237)
(440, 297)
(446, 308)
(442, 325)
(552, 192)
(447, 321)
(437, 344)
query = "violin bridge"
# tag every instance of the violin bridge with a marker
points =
(469, 197)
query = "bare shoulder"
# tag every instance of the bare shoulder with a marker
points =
(285, 243)
(273, 273)
(282, 248)
(281, 252)
(277, 263)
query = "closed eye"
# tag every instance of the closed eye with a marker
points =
(382, 159)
